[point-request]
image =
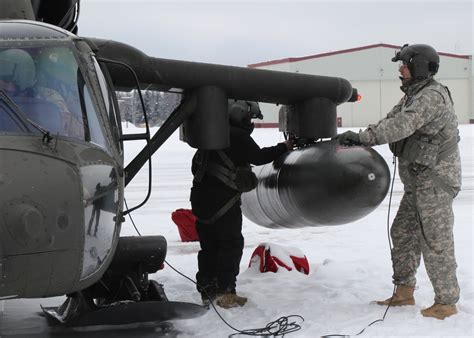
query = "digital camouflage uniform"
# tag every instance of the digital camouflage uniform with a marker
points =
(71, 125)
(424, 221)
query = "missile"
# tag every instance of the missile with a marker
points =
(321, 184)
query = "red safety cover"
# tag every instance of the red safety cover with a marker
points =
(271, 260)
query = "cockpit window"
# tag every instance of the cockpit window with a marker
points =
(95, 133)
(113, 115)
(42, 83)
(45, 85)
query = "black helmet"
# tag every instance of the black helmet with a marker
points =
(422, 60)
(242, 112)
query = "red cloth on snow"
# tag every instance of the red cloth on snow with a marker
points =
(270, 257)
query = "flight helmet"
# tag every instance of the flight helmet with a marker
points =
(17, 66)
(242, 112)
(58, 63)
(422, 60)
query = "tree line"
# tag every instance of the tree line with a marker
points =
(158, 105)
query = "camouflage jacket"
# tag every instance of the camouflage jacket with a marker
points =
(426, 111)
(71, 125)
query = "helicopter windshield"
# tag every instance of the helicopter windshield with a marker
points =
(46, 85)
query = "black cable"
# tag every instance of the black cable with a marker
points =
(390, 247)
(389, 244)
(279, 327)
(390, 202)
(131, 219)
(384, 314)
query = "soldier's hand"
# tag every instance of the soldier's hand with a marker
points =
(348, 138)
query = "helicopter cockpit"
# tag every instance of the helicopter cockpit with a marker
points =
(43, 90)
(61, 156)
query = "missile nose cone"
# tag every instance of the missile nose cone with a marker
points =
(324, 184)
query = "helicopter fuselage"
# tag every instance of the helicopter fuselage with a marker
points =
(61, 165)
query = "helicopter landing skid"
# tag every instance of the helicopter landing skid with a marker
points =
(125, 294)
(124, 313)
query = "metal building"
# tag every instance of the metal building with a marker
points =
(371, 71)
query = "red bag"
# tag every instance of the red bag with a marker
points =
(270, 257)
(186, 222)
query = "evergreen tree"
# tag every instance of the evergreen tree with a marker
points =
(158, 105)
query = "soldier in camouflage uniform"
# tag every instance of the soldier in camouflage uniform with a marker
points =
(422, 132)
(57, 83)
(18, 79)
(71, 125)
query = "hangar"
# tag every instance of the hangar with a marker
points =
(371, 71)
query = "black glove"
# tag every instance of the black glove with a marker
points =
(348, 138)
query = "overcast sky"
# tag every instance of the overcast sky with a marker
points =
(244, 32)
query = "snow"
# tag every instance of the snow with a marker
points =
(350, 264)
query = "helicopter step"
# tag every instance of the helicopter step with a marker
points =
(125, 294)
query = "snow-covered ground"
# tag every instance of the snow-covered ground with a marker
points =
(350, 264)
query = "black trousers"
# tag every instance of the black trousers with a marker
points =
(222, 245)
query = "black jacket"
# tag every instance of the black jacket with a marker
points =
(208, 195)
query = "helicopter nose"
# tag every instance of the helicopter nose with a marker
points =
(41, 220)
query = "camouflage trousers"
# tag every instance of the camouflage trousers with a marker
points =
(423, 226)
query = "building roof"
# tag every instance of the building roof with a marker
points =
(343, 51)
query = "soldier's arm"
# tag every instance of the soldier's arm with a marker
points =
(258, 156)
(52, 96)
(404, 123)
(71, 125)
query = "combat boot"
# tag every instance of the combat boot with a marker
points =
(403, 296)
(230, 300)
(439, 311)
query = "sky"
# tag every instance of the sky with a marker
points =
(245, 32)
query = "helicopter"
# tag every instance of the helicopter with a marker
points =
(62, 171)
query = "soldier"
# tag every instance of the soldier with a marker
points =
(71, 125)
(17, 71)
(57, 79)
(219, 178)
(422, 132)
(18, 78)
